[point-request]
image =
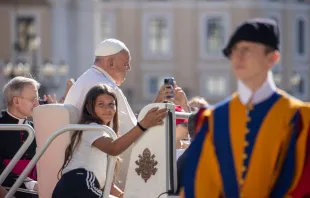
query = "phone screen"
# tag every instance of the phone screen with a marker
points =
(169, 82)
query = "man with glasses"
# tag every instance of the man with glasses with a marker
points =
(21, 97)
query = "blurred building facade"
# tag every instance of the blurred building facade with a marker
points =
(179, 38)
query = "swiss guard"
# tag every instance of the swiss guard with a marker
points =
(253, 144)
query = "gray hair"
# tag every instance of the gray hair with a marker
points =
(15, 87)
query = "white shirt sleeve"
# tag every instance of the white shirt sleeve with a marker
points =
(90, 136)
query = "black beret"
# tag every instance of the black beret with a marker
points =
(259, 30)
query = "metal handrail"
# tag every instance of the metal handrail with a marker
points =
(50, 139)
(21, 151)
(182, 115)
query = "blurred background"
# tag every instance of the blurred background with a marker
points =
(54, 40)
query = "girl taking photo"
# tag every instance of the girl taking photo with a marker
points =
(83, 173)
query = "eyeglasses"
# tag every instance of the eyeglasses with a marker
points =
(33, 100)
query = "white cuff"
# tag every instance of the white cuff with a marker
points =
(30, 185)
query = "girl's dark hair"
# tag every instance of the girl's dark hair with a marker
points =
(89, 116)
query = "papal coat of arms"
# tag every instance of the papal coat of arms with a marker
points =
(146, 165)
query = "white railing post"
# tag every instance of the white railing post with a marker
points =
(56, 133)
(21, 151)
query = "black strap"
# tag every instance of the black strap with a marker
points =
(141, 127)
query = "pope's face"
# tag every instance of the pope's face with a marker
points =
(121, 67)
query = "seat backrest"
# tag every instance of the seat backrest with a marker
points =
(48, 118)
(152, 166)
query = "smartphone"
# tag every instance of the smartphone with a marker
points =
(169, 81)
(42, 102)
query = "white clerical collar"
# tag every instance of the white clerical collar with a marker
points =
(104, 73)
(264, 92)
(20, 121)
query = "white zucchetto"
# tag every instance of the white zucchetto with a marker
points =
(109, 47)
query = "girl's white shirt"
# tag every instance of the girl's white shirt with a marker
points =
(89, 157)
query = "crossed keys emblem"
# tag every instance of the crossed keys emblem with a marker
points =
(146, 165)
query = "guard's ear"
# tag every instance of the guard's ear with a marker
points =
(273, 58)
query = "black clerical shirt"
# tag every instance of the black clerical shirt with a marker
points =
(10, 143)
